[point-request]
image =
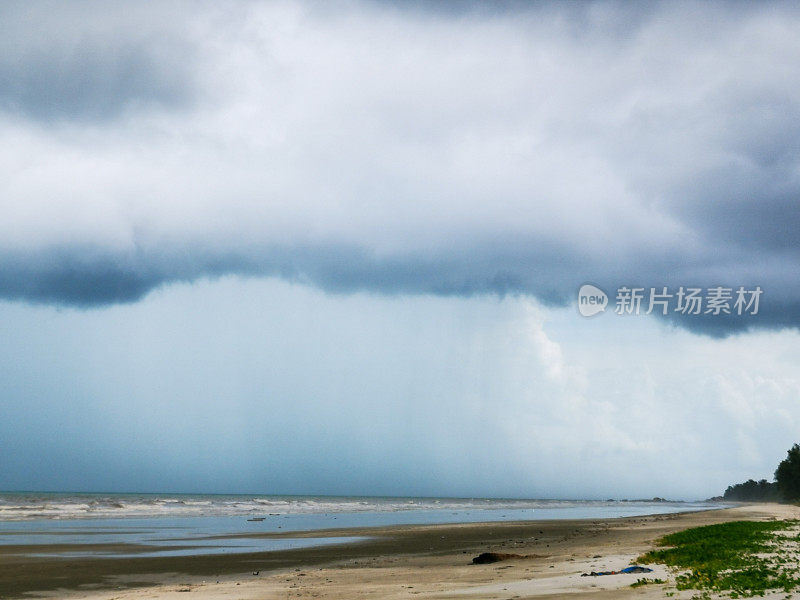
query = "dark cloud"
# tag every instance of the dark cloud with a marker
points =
(455, 149)
(91, 83)
(87, 64)
(88, 277)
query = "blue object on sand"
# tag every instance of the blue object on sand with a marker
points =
(636, 569)
(633, 569)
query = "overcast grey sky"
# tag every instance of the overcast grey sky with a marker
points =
(334, 248)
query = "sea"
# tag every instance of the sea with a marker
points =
(126, 525)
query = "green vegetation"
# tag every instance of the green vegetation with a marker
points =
(785, 489)
(753, 491)
(738, 559)
(646, 581)
(787, 475)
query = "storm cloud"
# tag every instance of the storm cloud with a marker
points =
(90, 61)
(400, 150)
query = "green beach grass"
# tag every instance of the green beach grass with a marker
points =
(736, 560)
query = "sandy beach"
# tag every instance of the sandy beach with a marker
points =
(395, 562)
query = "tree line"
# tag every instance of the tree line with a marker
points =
(785, 488)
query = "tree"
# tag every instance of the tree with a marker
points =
(787, 475)
(752, 491)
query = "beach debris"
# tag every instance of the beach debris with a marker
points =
(492, 557)
(631, 569)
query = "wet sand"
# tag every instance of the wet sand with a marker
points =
(432, 561)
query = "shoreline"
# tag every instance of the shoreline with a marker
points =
(435, 560)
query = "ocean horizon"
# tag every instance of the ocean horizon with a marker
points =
(58, 524)
(35, 505)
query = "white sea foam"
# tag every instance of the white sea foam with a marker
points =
(29, 506)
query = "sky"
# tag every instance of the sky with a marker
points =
(335, 248)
